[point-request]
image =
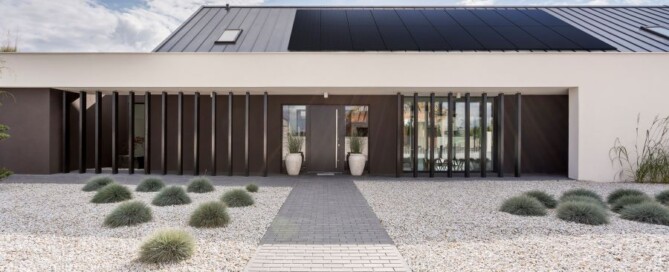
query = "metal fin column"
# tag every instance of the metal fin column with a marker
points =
(451, 111)
(98, 132)
(114, 133)
(484, 134)
(196, 134)
(518, 134)
(131, 133)
(468, 125)
(213, 133)
(180, 134)
(500, 135)
(147, 133)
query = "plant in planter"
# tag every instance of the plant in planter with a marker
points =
(294, 157)
(356, 160)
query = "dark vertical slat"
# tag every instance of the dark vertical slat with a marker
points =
(451, 111)
(264, 133)
(82, 132)
(431, 134)
(196, 135)
(400, 135)
(114, 133)
(247, 108)
(131, 133)
(414, 142)
(65, 123)
(180, 134)
(500, 135)
(230, 96)
(163, 133)
(98, 132)
(518, 135)
(467, 133)
(484, 133)
(147, 133)
(213, 133)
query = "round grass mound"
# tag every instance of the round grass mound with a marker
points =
(200, 185)
(646, 212)
(663, 197)
(252, 188)
(129, 214)
(150, 185)
(582, 198)
(97, 183)
(581, 192)
(237, 198)
(615, 195)
(546, 199)
(210, 215)
(167, 246)
(173, 195)
(582, 212)
(111, 193)
(523, 205)
(627, 200)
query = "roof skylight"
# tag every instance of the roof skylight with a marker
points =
(229, 36)
(657, 30)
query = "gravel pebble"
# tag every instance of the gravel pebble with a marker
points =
(456, 226)
(52, 227)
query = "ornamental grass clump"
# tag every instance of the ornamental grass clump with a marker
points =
(663, 197)
(252, 188)
(547, 200)
(523, 205)
(96, 183)
(210, 215)
(129, 214)
(646, 212)
(582, 212)
(111, 193)
(615, 195)
(587, 199)
(647, 160)
(150, 185)
(200, 185)
(173, 195)
(167, 246)
(627, 200)
(581, 192)
(237, 198)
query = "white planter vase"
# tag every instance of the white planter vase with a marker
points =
(356, 163)
(293, 163)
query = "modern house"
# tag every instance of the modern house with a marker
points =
(434, 91)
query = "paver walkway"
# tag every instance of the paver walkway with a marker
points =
(326, 225)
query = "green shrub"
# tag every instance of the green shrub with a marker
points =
(663, 197)
(210, 215)
(96, 183)
(150, 185)
(5, 173)
(627, 200)
(581, 198)
(237, 198)
(523, 205)
(252, 188)
(615, 195)
(546, 199)
(129, 214)
(111, 193)
(173, 195)
(167, 246)
(646, 212)
(200, 185)
(581, 192)
(582, 212)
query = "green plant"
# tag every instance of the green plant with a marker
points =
(646, 212)
(663, 197)
(627, 200)
(210, 215)
(4, 173)
(615, 195)
(237, 198)
(200, 185)
(582, 198)
(252, 188)
(356, 144)
(523, 205)
(546, 199)
(150, 185)
(96, 183)
(129, 214)
(173, 195)
(581, 192)
(649, 161)
(111, 193)
(582, 212)
(294, 143)
(4, 131)
(167, 246)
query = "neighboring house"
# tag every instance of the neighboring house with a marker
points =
(443, 91)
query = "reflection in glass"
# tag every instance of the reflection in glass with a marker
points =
(357, 123)
(407, 144)
(294, 122)
(441, 134)
(423, 134)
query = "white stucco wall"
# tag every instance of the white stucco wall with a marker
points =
(607, 90)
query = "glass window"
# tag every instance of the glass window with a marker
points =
(294, 123)
(441, 134)
(229, 36)
(357, 124)
(407, 144)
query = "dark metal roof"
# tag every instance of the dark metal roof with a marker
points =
(268, 29)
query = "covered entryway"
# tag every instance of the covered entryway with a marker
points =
(325, 134)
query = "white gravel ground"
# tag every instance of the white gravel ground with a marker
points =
(52, 227)
(456, 226)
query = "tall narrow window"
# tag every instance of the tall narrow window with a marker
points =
(357, 124)
(408, 137)
(294, 124)
(441, 134)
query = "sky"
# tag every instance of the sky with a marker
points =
(140, 25)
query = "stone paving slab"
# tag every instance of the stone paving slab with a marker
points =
(290, 257)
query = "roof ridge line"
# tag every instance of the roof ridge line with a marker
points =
(433, 6)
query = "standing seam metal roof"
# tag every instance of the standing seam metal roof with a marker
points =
(268, 29)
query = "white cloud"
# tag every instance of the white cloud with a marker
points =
(86, 25)
(476, 2)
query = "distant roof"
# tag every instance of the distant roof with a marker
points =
(269, 29)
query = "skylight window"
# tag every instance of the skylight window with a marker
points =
(229, 36)
(657, 30)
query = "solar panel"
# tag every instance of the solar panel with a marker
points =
(551, 38)
(518, 18)
(456, 36)
(365, 35)
(335, 35)
(581, 38)
(492, 18)
(521, 39)
(544, 18)
(395, 35)
(465, 18)
(306, 35)
(424, 34)
(489, 38)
